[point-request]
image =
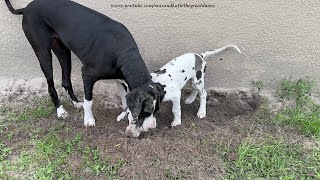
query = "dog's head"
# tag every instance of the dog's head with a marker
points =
(142, 103)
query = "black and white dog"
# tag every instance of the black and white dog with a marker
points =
(173, 76)
(105, 47)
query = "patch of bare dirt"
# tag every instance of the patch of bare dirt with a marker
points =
(187, 151)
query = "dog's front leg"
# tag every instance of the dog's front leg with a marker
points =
(176, 110)
(88, 83)
(203, 101)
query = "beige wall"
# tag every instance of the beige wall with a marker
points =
(279, 39)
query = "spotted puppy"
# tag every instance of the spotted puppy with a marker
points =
(173, 76)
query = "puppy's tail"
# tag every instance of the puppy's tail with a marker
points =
(207, 54)
(12, 10)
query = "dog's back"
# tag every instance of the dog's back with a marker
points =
(79, 27)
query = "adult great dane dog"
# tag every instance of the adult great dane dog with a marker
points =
(105, 47)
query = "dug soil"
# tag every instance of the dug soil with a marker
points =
(189, 151)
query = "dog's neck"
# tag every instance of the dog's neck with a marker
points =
(135, 72)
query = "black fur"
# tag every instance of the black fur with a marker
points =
(105, 47)
(140, 103)
(199, 74)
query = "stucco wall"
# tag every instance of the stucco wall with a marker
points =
(279, 39)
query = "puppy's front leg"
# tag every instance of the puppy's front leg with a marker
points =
(122, 92)
(203, 100)
(176, 110)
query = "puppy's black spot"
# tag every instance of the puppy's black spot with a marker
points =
(171, 79)
(163, 71)
(193, 68)
(199, 74)
(183, 71)
(169, 75)
(221, 59)
(185, 78)
(205, 68)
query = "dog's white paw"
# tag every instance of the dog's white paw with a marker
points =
(201, 114)
(90, 121)
(62, 113)
(121, 116)
(77, 105)
(176, 122)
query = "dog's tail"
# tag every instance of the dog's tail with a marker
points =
(207, 54)
(12, 10)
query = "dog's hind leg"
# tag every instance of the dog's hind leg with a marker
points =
(198, 83)
(39, 38)
(193, 94)
(64, 56)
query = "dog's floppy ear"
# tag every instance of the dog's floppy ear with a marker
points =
(134, 101)
(148, 105)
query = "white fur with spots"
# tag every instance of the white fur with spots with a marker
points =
(174, 76)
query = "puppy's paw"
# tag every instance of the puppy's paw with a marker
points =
(89, 122)
(201, 114)
(176, 122)
(77, 105)
(189, 100)
(62, 113)
(122, 116)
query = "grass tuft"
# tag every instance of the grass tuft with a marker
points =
(304, 113)
(40, 108)
(274, 160)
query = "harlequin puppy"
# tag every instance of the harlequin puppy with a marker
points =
(173, 76)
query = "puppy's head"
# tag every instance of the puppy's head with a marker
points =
(142, 103)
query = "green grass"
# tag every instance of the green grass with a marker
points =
(4, 160)
(304, 113)
(270, 158)
(299, 91)
(39, 108)
(48, 153)
(259, 85)
(273, 160)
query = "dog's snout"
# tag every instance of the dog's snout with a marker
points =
(131, 131)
